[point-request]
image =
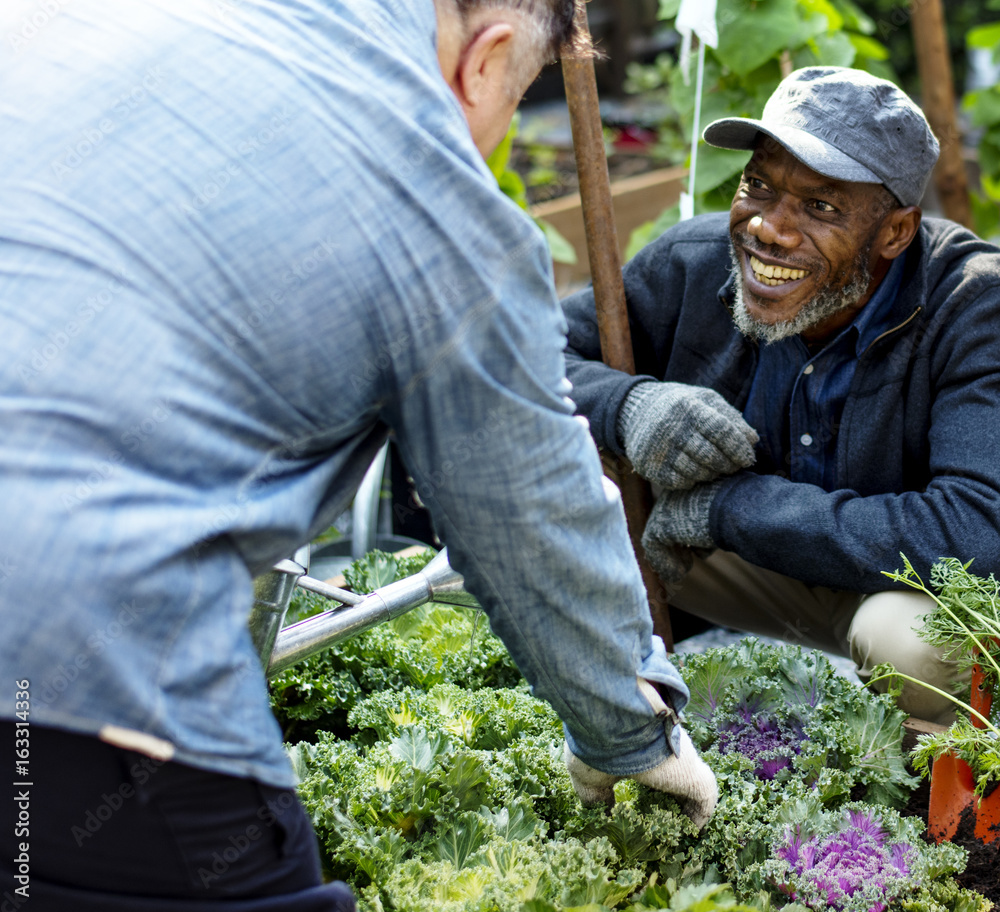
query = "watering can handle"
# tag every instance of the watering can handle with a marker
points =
(272, 593)
(436, 582)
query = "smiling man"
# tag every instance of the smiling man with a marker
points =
(857, 348)
(809, 279)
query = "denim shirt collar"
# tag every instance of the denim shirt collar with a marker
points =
(876, 316)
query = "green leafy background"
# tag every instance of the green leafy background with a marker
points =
(757, 38)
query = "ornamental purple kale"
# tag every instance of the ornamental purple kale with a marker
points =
(756, 733)
(856, 867)
(780, 712)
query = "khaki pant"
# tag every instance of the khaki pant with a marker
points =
(870, 629)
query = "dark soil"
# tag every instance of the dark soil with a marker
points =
(982, 872)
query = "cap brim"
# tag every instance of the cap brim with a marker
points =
(741, 133)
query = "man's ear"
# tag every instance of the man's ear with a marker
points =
(898, 230)
(482, 68)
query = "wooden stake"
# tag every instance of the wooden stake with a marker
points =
(930, 43)
(609, 293)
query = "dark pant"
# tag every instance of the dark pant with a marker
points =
(104, 820)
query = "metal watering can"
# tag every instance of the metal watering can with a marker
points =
(280, 647)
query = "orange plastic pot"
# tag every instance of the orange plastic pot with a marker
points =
(952, 789)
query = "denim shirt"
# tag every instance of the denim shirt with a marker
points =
(798, 395)
(240, 242)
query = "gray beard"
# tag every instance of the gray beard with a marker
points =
(821, 307)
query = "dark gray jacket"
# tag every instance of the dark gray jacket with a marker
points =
(918, 450)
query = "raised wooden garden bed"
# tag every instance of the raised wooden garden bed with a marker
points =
(636, 200)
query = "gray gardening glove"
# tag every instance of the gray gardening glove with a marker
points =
(677, 530)
(683, 774)
(677, 435)
(671, 562)
(681, 517)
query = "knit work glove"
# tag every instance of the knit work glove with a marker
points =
(683, 774)
(681, 518)
(678, 521)
(677, 435)
(671, 562)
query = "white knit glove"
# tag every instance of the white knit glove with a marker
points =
(683, 774)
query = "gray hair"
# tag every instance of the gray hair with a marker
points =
(550, 28)
(555, 20)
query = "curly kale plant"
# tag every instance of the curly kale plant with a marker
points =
(431, 644)
(861, 859)
(784, 713)
(427, 818)
(755, 732)
(436, 781)
(854, 864)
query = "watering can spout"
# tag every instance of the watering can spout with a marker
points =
(436, 582)
(447, 585)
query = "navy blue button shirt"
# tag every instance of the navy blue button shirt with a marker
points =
(798, 395)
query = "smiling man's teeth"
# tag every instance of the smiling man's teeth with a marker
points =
(774, 275)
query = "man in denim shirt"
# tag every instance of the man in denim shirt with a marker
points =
(861, 344)
(240, 243)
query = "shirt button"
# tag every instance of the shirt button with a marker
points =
(808, 369)
(806, 440)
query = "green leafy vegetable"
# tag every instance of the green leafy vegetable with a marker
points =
(783, 712)
(431, 644)
(443, 786)
(859, 860)
(965, 624)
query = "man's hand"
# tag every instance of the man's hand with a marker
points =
(683, 774)
(671, 562)
(681, 518)
(677, 531)
(677, 435)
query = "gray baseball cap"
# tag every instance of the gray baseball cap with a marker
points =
(845, 124)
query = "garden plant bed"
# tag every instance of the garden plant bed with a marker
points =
(982, 870)
(640, 192)
(559, 177)
(962, 761)
(435, 780)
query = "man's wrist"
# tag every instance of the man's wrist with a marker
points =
(683, 516)
(631, 405)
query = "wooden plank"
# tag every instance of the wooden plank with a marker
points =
(913, 727)
(604, 254)
(930, 44)
(635, 200)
